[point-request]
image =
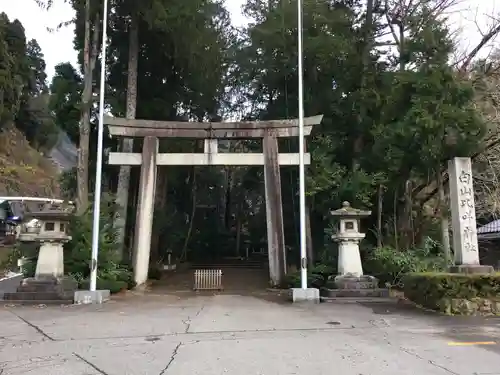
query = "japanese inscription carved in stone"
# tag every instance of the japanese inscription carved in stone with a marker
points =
(465, 244)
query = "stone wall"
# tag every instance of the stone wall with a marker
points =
(475, 306)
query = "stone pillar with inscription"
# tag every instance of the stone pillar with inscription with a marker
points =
(463, 216)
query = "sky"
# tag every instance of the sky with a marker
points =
(57, 46)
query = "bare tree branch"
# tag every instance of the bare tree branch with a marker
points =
(484, 41)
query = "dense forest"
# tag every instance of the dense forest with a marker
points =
(25, 96)
(398, 102)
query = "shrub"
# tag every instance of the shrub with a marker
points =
(27, 250)
(10, 257)
(317, 276)
(293, 280)
(390, 265)
(77, 252)
(435, 290)
(115, 279)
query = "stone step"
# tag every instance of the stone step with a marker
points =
(342, 293)
(41, 302)
(39, 288)
(44, 281)
(256, 265)
(33, 285)
(361, 300)
(37, 296)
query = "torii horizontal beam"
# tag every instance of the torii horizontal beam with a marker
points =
(237, 159)
(205, 134)
(236, 125)
(208, 130)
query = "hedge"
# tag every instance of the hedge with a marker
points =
(437, 290)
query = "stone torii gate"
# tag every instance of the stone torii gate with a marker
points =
(211, 132)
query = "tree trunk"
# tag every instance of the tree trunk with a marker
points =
(407, 218)
(238, 229)
(194, 190)
(443, 215)
(228, 200)
(402, 56)
(395, 220)
(380, 204)
(359, 140)
(128, 143)
(82, 174)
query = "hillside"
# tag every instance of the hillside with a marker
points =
(23, 170)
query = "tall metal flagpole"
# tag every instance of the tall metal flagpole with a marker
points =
(98, 173)
(302, 182)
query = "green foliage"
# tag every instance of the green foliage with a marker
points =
(77, 252)
(12, 67)
(389, 117)
(29, 251)
(67, 181)
(9, 262)
(436, 290)
(317, 276)
(390, 265)
(29, 268)
(66, 90)
(24, 92)
(186, 85)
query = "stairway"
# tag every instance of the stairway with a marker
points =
(235, 263)
(43, 291)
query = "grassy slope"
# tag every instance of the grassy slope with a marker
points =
(23, 170)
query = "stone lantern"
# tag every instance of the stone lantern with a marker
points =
(51, 233)
(350, 281)
(49, 229)
(348, 238)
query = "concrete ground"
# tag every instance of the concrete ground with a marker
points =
(242, 335)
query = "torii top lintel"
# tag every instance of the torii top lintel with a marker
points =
(119, 126)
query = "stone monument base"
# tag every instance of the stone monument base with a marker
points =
(43, 290)
(354, 287)
(87, 297)
(472, 269)
(310, 295)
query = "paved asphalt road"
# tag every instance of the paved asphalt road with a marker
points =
(225, 334)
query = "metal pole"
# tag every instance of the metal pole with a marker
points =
(98, 173)
(302, 182)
